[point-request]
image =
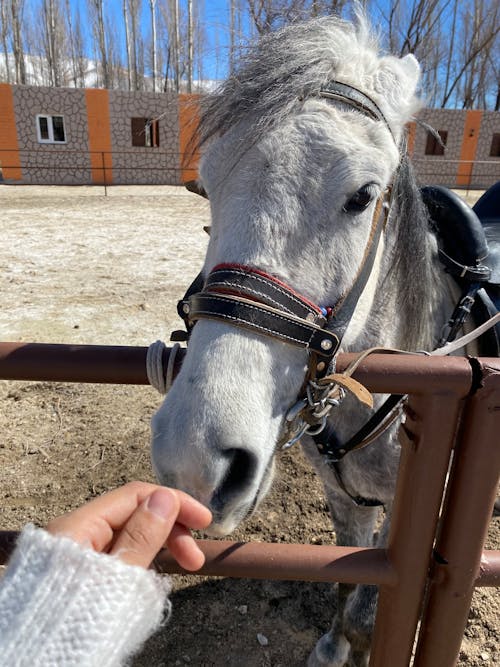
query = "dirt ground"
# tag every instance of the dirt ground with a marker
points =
(79, 267)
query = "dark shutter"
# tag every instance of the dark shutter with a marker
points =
(495, 145)
(433, 146)
(138, 126)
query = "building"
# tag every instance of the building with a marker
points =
(93, 136)
(468, 155)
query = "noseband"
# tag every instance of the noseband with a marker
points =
(250, 298)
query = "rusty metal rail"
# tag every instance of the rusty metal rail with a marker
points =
(434, 557)
(121, 364)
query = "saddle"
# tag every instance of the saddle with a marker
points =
(469, 249)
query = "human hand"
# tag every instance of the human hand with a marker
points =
(135, 521)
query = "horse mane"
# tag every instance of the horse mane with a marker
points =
(411, 264)
(283, 67)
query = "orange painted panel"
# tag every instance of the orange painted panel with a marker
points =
(10, 161)
(101, 158)
(189, 112)
(469, 146)
(410, 137)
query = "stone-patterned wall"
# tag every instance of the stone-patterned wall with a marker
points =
(439, 169)
(136, 164)
(66, 163)
(486, 168)
(70, 163)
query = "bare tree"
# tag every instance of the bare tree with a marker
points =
(176, 44)
(128, 50)
(99, 29)
(132, 10)
(480, 29)
(154, 57)
(165, 51)
(170, 12)
(270, 14)
(81, 64)
(17, 8)
(453, 40)
(4, 36)
(189, 46)
(53, 41)
(72, 41)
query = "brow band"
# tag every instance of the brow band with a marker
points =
(346, 93)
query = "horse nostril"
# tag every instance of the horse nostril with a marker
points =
(239, 475)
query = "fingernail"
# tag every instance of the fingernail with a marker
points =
(161, 503)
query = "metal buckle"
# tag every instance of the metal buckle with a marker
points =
(317, 404)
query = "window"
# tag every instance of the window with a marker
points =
(495, 145)
(433, 146)
(145, 132)
(50, 129)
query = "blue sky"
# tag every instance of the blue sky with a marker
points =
(216, 20)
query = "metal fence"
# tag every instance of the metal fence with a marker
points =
(463, 174)
(446, 489)
(55, 166)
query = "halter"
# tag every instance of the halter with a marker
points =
(248, 297)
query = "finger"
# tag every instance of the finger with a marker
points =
(184, 549)
(144, 534)
(192, 513)
(95, 521)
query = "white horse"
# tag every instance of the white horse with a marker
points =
(301, 144)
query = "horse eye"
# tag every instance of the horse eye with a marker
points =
(360, 199)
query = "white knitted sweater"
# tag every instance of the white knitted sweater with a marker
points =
(63, 605)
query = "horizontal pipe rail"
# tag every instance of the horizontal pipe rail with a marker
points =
(489, 569)
(289, 562)
(108, 364)
(293, 562)
(120, 364)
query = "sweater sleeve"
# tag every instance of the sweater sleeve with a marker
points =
(62, 605)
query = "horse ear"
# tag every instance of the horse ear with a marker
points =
(399, 77)
(411, 68)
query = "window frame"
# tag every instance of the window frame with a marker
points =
(150, 132)
(433, 148)
(495, 144)
(50, 128)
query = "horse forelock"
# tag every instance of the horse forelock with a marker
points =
(294, 62)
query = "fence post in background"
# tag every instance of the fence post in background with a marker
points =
(104, 177)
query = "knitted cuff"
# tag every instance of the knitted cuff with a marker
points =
(63, 604)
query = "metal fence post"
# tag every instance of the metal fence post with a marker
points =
(427, 441)
(472, 490)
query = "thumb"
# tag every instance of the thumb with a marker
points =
(148, 528)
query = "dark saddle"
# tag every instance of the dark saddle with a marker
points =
(469, 248)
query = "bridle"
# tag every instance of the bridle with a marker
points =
(250, 298)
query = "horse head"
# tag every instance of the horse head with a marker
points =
(300, 145)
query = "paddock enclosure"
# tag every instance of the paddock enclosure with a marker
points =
(78, 267)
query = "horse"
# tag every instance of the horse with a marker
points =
(320, 242)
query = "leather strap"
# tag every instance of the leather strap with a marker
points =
(479, 273)
(254, 284)
(344, 309)
(334, 450)
(356, 98)
(263, 319)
